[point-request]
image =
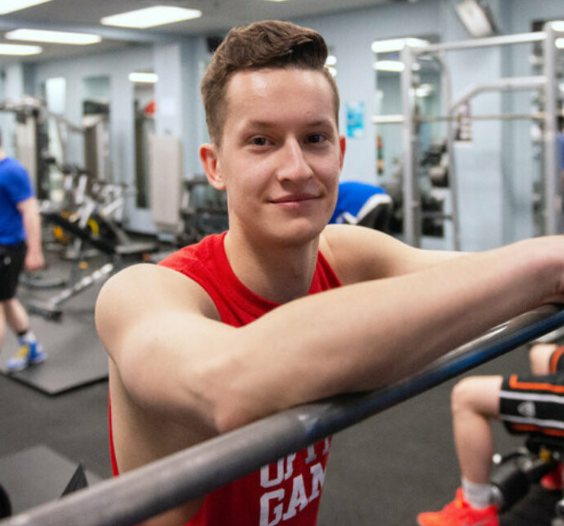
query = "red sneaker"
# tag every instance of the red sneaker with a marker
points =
(553, 480)
(459, 513)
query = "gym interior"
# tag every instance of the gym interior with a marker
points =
(454, 107)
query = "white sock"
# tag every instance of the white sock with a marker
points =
(28, 337)
(479, 496)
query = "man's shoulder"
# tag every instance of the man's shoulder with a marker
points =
(359, 253)
(146, 287)
(11, 170)
(11, 164)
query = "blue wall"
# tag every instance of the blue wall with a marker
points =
(495, 170)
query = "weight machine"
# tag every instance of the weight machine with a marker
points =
(410, 121)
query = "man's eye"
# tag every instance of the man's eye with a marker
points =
(259, 141)
(315, 138)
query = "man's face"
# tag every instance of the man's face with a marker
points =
(281, 154)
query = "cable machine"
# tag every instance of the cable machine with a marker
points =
(552, 208)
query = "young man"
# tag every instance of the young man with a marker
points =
(20, 247)
(524, 403)
(243, 324)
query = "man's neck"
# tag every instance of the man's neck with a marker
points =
(2, 154)
(278, 274)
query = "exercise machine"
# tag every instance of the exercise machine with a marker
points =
(95, 224)
(203, 211)
(514, 474)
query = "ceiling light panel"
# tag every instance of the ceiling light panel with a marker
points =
(19, 50)
(397, 44)
(150, 78)
(389, 65)
(151, 17)
(56, 37)
(9, 6)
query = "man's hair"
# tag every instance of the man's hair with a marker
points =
(269, 44)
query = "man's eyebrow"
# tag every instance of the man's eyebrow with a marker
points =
(259, 124)
(267, 124)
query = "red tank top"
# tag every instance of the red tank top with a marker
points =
(286, 492)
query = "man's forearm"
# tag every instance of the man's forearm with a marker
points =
(32, 226)
(371, 334)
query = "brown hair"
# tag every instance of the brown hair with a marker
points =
(269, 44)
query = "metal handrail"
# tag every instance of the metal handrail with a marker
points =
(167, 483)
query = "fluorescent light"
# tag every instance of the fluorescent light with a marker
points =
(389, 65)
(558, 25)
(332, 70)
(397, 44)
(475, 18)
(16, 49)
(151, 16)
(143, 77)
(425, 90)
(56, 37)
(9, 6)
(560, 43)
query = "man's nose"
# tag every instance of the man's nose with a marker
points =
(293, 164)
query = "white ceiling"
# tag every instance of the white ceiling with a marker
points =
(218, 16)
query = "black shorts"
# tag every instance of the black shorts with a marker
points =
(12, 258)
(535, 404)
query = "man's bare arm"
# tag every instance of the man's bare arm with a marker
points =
(174, 356)
(32, 223)
(363, 254)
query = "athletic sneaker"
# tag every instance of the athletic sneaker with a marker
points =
(459, 513)
(553, 480)
(30, 353)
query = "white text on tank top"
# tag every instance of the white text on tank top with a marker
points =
(279, 504)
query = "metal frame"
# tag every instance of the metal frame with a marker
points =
(552, 190)
(155, 488)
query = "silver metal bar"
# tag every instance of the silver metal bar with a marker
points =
(446, 98)
(184, 476)
(552, 180)
(507, 84)
(388, 119)
(501, 117)
(411, 197)
(398, 119)
(520, 38)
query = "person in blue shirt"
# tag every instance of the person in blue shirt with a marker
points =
(356, 200)
(20, 248)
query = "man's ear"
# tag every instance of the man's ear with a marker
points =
(210, 162)
(343, 148)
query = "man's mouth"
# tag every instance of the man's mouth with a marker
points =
(294, 198)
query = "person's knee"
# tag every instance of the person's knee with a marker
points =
(463, 394)
(9, 305)
(539, 356)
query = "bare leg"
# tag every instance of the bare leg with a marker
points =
(475, 401)
(16, 315)
(539, 356)
(2, 324)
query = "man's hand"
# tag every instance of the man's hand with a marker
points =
(34, 260)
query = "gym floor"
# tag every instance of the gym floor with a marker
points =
(381, 472)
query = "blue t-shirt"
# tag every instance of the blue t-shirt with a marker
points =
(15, 187)
(352, 197)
